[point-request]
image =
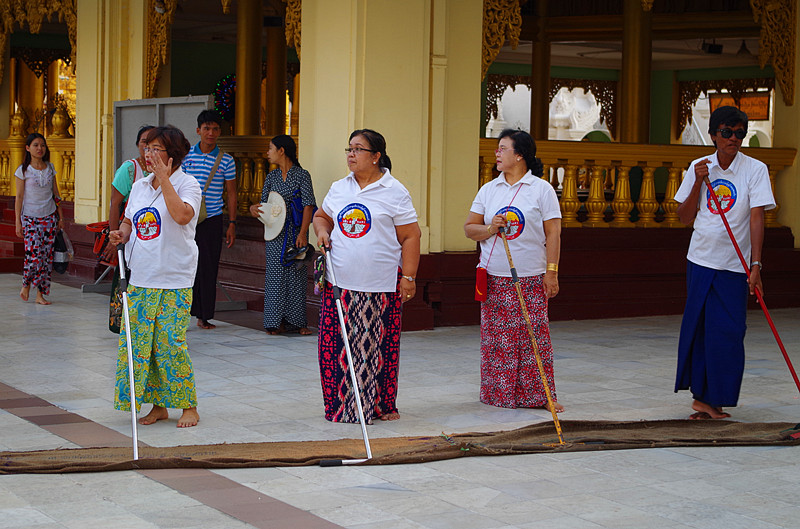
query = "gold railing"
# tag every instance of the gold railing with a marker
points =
(62, 156)
(600, 173)
(250, 153)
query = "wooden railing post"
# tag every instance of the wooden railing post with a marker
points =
(622, 205)
(596, 203)
(569, 198)
(244, 184)
(670, 206)
(647, 203)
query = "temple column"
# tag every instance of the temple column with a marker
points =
(109, 66)
(634, 94)
(275, 103)
(540, 77)
(248, 66)
(427, 113)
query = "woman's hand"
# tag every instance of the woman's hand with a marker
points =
(110, 251)
(161, 170)
(61, 223)
(323, 240)
(498, 221)
(550, 284)
(255, 210)
(302, 240)
(118, 237)
(407, 289)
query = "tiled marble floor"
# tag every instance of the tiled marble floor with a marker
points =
(254, 387)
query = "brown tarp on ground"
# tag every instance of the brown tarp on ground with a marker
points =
(541, 437)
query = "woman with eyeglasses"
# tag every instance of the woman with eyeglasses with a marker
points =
(162, 214)
(369, 225)
(711, 346)
(286, 279)
(524, 205)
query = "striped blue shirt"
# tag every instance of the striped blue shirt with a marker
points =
(199, 165)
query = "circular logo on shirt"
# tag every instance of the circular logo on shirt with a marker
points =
(147, 222)
(726, 194)
(354, 220)
(515, 221)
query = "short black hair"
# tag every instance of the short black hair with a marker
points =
(525, 146)
(209, 116)
(173, 141)
(142, 130)
(727, 115)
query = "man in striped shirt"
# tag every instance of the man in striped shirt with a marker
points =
(200, 163)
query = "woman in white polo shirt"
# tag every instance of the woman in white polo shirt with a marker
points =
(162, 258)
(527, 207)
(370, 225)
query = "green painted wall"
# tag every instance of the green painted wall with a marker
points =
(660, 106)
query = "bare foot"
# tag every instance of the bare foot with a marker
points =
(40, 299)
(156, 414)
(713, 413)
(203, 324)
(189, 418)
(390, 416)
(559, 408)
(305, 331)
(24, 293)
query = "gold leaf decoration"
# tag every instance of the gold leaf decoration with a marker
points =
(293, 24)
(32, 13)
(778, 20)
(158, 38)
(502, 21)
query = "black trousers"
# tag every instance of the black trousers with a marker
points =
(208, 237)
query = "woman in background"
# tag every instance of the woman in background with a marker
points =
(38, 216)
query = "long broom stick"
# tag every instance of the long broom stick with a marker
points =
(337, 294)
(542, 375)
(758, 292)
(123, 288)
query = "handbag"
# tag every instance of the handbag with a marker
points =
(481, 284)
(203, 213)
(62, 252)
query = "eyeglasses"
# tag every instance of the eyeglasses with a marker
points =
(154, 150)
(501, 150)
(356, 150)
(727, 133)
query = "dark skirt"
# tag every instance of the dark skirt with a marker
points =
(711, 346)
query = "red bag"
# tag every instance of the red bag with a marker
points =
(481, 284)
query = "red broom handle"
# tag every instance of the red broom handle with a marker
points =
(758, 292)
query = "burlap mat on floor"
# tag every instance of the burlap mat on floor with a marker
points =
(541, 437)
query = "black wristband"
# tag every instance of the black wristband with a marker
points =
(231, 222)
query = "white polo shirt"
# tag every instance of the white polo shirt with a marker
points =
(365, 252)
(742, 186)
(161, 253)
(526, 204)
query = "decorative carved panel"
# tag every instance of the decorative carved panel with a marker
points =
(159, 22)
(689, 91)
(292, 24)
(778, 19)
(502, 21)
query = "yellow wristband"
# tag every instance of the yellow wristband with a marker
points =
(489, 229)
(552, 267)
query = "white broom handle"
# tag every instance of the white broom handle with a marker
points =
(123, 286)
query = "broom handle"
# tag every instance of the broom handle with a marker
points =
(757, 291)
(542, 374)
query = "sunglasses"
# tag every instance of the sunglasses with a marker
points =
(727, 133)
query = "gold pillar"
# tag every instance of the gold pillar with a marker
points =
(634, 103)
(275, 103)
(294, 120)
(248, 66)
(540, 77)
(12, 92)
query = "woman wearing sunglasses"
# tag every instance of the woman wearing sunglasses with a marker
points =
(711, 347)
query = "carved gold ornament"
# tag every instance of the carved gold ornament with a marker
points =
(226, 7)
(32, 13)
(502, 21)
(689, 91)
(292, 24)
(647, 5)
(159, 22)
(778, 20)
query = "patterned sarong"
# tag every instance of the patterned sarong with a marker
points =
(373, 322)
(39, 234)
(162, 367)
(711, 346)
(509, 374)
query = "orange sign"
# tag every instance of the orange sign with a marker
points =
(754, 104)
